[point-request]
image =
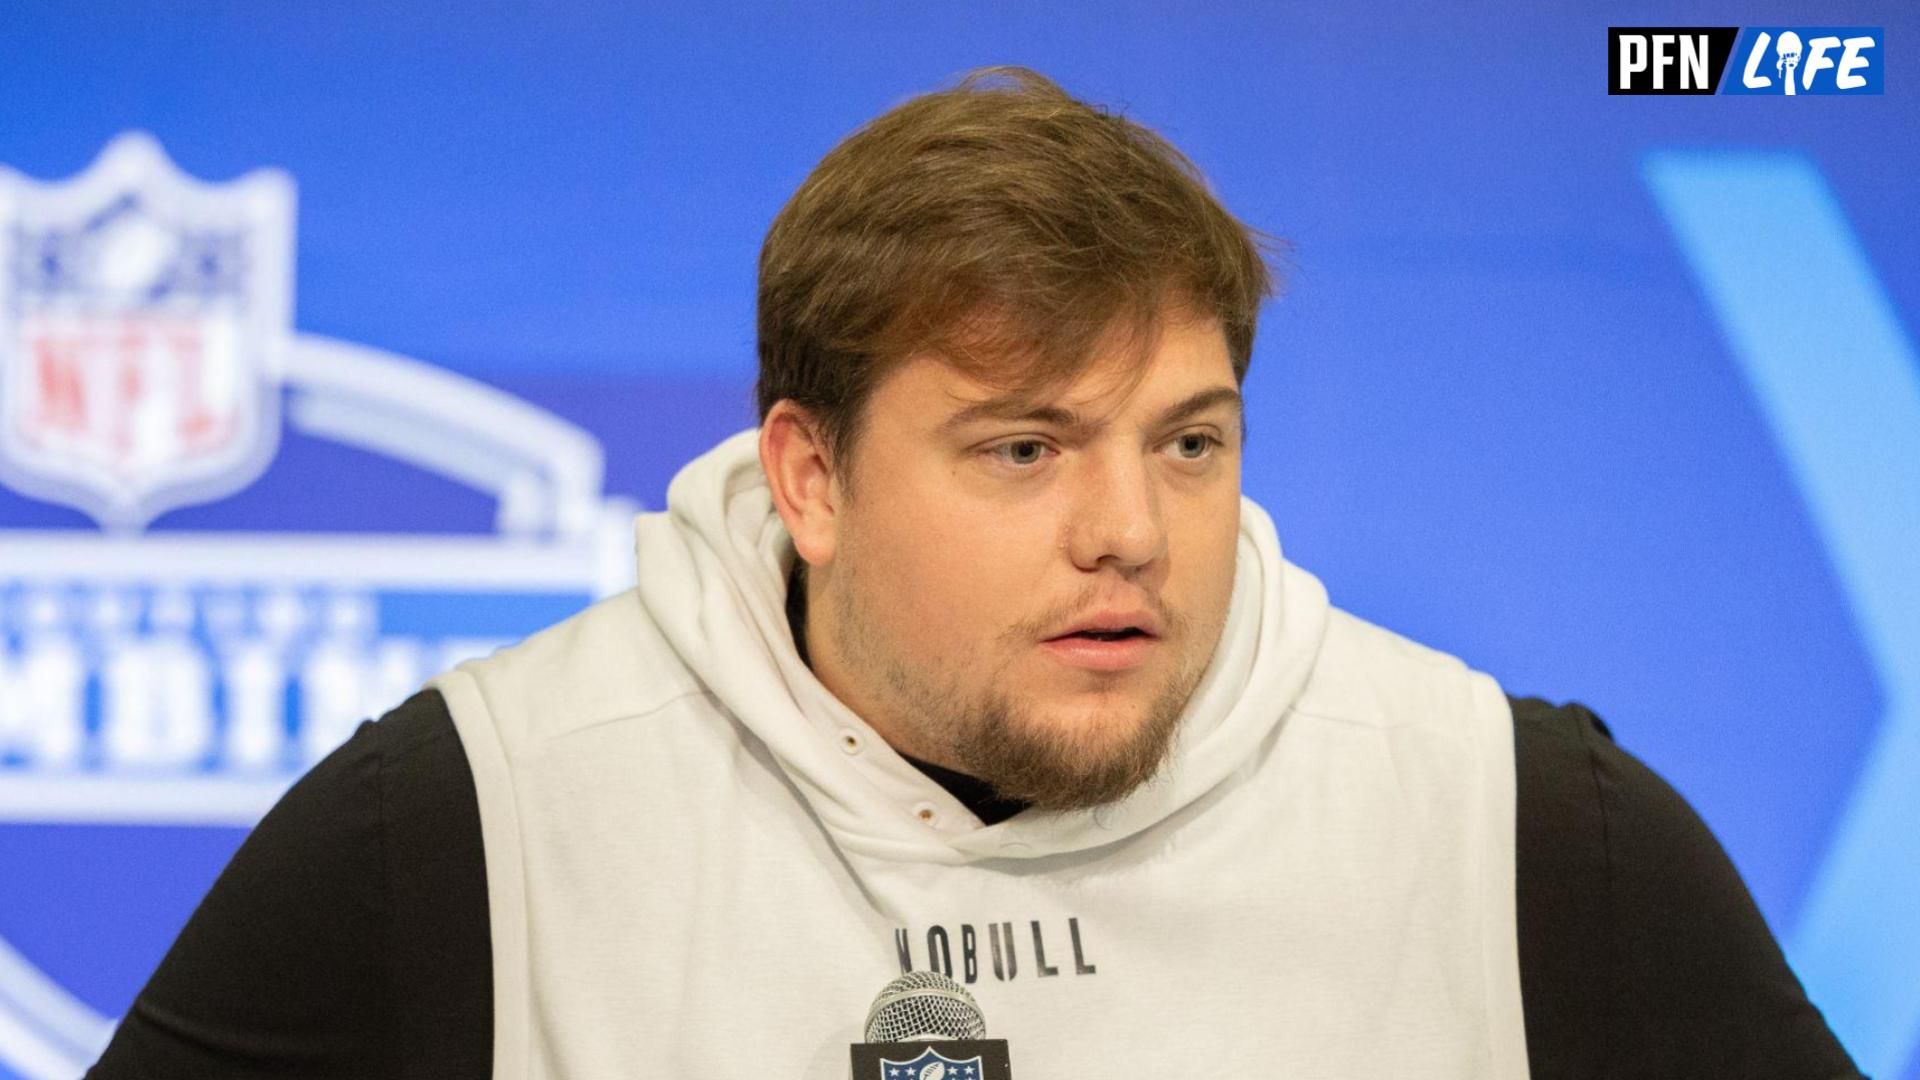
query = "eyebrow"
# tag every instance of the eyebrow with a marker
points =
(1014, 408)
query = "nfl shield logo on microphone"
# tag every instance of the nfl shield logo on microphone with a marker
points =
(932, 1065)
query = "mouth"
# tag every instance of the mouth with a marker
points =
(1121, 634)
(1102, 650)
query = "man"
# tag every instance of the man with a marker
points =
(973, 657)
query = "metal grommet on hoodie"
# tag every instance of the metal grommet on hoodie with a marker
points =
(925, 812)
(851, 742)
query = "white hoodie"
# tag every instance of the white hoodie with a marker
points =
(701, 864)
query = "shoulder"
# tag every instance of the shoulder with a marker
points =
(1641, 951)
(438, 943)
(605, 663)
(1368, 675)
(395, 783)
(1564, 914)
(347, 936)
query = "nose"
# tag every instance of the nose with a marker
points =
(1116, 518)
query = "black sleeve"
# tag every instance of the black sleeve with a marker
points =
(348, 936)
(1641, 952)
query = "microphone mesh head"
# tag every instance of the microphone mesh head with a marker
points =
(924, 1005)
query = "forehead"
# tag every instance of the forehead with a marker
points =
(1125, 374)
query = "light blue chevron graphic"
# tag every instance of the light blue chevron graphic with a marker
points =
(1835, 375)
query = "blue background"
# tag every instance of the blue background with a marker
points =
(1492, 411)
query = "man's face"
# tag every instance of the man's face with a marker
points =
(1029, 590)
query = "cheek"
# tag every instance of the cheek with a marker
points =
(947, 567)
(1207, 543)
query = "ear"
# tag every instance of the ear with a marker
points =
(800, 475)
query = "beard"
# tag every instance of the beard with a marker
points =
(1025, 759)
(964, 719)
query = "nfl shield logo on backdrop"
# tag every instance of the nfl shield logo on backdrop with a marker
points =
(144, 316)
(160, 687)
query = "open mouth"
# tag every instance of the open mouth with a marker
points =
(1107, 651)
(1105, 635)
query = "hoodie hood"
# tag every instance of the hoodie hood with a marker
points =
(712, 574)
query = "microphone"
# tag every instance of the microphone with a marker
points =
(925, 1026)
(1788, 51)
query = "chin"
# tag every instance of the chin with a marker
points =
(1095, 723)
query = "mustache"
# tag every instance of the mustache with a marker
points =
(1172, 622)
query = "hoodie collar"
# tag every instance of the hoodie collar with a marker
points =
(712, 572)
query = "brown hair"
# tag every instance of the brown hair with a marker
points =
(1002, 224)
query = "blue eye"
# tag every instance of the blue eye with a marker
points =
(1194, 445)
(1022, 452)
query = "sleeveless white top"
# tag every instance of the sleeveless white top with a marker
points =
(701, 865)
